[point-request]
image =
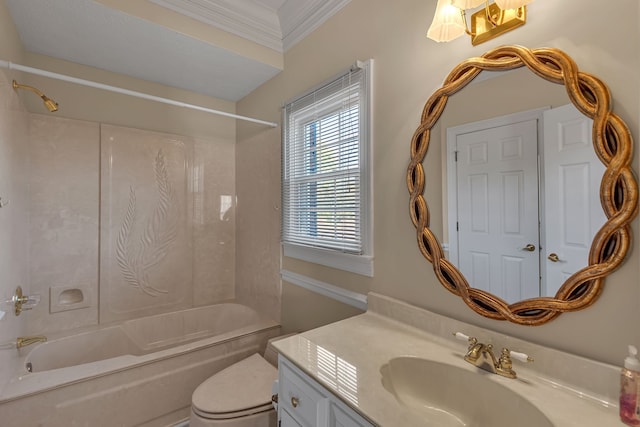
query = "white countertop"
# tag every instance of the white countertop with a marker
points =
(346, 358)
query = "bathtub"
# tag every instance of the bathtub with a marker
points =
(139, 372)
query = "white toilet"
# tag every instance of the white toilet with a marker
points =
(238, 396)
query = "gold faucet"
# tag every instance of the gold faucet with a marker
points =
(25, 341)
(482, 356)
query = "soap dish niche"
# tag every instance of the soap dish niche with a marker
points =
(65, 298)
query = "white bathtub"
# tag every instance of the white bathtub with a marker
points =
(139, 372)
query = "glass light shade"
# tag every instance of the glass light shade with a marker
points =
(447, 22)
(467, 4)
(511, 4)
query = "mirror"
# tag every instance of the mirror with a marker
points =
(521, 184)
(612, 144)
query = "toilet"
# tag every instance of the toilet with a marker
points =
(239, 395)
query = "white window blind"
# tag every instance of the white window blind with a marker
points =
(325, 182)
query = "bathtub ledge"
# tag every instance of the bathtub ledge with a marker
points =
(30, 383)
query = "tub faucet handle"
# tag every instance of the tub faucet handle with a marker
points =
(20, 302)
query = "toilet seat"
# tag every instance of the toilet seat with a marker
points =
(242, 389)
(232, 415)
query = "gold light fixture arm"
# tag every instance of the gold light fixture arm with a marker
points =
(463, 14)
(492, 18)
(492, 21)
(48, 102)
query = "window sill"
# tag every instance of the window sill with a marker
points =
(359, 264)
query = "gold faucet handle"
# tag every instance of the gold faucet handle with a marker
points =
(472, 340)
(523, 357)
(504, 366)
(505, 357)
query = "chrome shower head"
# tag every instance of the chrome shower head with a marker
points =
(48, 102)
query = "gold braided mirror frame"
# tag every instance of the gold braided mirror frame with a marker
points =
(612, 143)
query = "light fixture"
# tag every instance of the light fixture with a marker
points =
(450, 19)
(48, 102)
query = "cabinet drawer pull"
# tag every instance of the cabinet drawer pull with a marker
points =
(294, 402)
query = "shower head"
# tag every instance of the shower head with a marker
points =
(48, 102)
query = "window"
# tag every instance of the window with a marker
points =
(326, 181)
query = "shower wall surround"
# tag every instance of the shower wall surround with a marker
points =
(146, 232)
(63, 217)
(126, 223)
(14, 131)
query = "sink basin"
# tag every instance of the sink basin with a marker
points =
(448, 396)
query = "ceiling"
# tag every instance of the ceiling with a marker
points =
(220, 48)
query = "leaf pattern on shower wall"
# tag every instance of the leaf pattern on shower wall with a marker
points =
(156, 239)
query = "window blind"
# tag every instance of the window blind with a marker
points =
(323, 165)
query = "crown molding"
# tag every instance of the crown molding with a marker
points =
(276, 29)
(244, 18)
(298, 18)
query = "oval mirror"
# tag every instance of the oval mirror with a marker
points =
(521, 215)
(521, 184)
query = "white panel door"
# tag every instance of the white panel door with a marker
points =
(497, 179)
(572, 210)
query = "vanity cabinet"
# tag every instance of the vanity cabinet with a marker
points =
(303, 402)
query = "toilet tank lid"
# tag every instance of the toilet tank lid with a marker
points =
(241, 386)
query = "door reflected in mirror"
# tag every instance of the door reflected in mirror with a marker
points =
(522, 200)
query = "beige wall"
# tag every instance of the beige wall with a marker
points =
(258, 220)
(408, 68)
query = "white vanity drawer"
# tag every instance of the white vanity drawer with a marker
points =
(298, 396)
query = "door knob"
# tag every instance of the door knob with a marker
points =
(529, 248)
(553, 257)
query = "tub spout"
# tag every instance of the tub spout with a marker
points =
(25, 341)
